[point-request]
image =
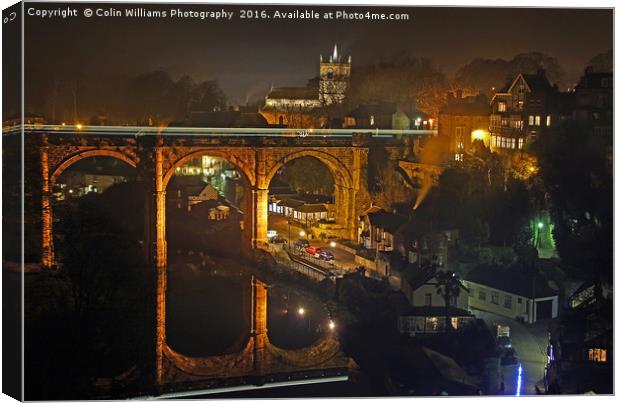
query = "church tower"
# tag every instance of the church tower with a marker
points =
(334, 78)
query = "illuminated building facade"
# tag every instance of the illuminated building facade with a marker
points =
(462, 120)
(299, 106)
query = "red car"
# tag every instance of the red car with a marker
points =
(314, 250)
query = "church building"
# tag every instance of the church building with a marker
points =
(300, 107)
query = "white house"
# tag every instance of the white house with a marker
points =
(512, 293)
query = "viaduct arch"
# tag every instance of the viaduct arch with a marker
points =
(258, 159)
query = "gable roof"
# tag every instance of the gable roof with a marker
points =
(535, 82)
(209, 193)
(290, 203)
(594, 80)
(387, 221)
(420, 276)
(312, 208)
(512, 279)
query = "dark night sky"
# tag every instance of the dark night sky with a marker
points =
(247, 56)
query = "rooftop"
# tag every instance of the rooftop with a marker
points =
(388, 221)
(293, 93)
(511, 279)
(227, 119)
(312, 208)
(430, 311)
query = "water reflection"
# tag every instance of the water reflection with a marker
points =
(207, 311)
(294, 320)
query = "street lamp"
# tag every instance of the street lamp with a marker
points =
(540, 225)
(332, 244)
(301, 311)
(302, 234)
(332, 325)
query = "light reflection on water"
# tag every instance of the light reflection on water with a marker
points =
(208, 312)
(519, 377)
(294, 320)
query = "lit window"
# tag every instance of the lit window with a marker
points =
(495, 120)
(537, 120)
(530, 120)
(460, 145)
(372, 120)
(458, 157)
(548, 120)
(597, 354)
(455, 323)
(520, 144)
(501, 107)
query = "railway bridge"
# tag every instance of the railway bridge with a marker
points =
(257, 154)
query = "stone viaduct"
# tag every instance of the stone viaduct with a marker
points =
(156, 153)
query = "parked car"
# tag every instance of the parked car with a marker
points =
(509, 358)
(314, 250)
(326, 255)
(504, 342)
(278, 239)
(302, 243)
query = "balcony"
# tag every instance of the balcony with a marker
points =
(506, 131)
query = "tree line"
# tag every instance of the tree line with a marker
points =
(412, 82)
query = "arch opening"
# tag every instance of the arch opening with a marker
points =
(311, 204)
(312, 191)
(89, 154)
(95, 209)
(207, 305)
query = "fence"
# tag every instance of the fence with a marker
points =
(311, 266)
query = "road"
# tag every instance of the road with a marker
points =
(530, 344)
(280, 224)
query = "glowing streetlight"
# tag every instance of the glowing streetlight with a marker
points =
(301, 311)
(79, 126)
(540, 225)
(332, 325)
(332, 244)
(302, 233)
(478, 134)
